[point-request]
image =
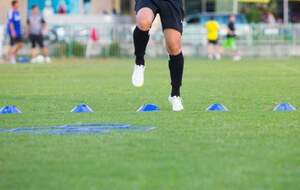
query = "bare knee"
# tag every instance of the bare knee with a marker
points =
(144, 18)
(144, 24)
(174, 48)
(173, 41)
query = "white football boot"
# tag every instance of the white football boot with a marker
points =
(47, 59)
(138, 75)
(176, 103)
(218, 57)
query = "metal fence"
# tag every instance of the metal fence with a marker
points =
(116, 40)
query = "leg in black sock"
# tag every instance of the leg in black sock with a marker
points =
(176, 65)
(140, 39)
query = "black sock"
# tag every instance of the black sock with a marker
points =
(176, 65)
(140, 39)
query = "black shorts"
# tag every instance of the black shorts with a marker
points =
(36, 40)
(14, 41)
(213, 42)
(170, 11)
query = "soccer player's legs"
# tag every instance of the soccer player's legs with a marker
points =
(16, 43)
(230, 45)
(176, 65)
(33, 47)
(236, 53)
(144, 19)
(210, 49)
(171, 16)
(44, 48)
(12, 41)
(218, 51)
(11, 55)
(19, 44)
(176, 62)
(215, 49)
(146, 11)
(40, 41)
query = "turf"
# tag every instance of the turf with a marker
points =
(249, 147)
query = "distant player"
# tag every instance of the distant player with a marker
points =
(14, 29)
(213, 47)
(230, 42)
(171, 14)
(36, 27)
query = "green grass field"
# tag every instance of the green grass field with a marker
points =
(249, 147)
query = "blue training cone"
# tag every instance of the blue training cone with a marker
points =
(23, 59)
(82, 108)
(9, 110)
(284, 107)
(149, 108)
(217, 107)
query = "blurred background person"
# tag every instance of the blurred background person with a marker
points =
(213, 47)
(36, 28)
(14, 29)
(230, 42)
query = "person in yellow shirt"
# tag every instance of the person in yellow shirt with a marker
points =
(213, 47)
